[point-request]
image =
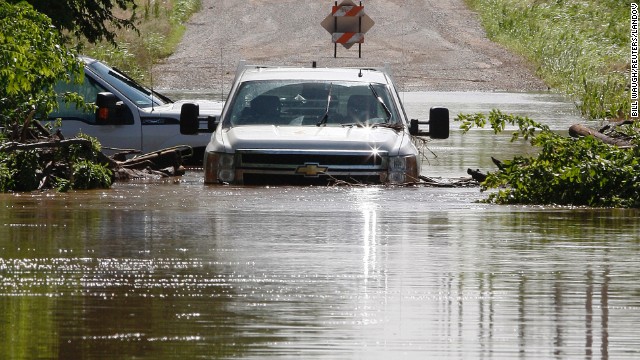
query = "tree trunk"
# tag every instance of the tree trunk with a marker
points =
(578, 130)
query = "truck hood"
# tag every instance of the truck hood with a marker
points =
(313, 138)
(207, 107)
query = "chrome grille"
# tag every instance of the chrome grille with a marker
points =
(254, 165)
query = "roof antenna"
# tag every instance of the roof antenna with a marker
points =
(148, 47)
(151, 78)
(314, 65)
(360, 73)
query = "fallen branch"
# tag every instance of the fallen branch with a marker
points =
(12, 146)
(616, 124)
(477, 175)
(450, 183)
(578, 130)
(157, 160)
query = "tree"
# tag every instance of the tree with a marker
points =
(89, 18)
(32, 60)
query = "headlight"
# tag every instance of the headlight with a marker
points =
(219, 167)
(402, 169)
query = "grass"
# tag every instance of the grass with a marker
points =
(160, 25)
(580, 47)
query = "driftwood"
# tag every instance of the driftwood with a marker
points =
(124, 174)
(121, 154)
(12, 146)
(578, 130)
(477, 175)
(158, 159)
(615, 124)
(446, 183)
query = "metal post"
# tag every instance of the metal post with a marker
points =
(335, 30)
(360, 31)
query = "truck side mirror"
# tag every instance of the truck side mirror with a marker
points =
(106, 104)
(111, 111)
(438, 124)
(189, 123)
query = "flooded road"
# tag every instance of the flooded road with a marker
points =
(180, 270)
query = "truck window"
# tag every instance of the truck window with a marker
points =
(133, 91)
(89, 89)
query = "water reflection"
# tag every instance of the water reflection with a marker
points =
(174, 270)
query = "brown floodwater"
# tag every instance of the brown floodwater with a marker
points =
(174, 269)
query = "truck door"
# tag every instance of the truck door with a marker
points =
(123, 131)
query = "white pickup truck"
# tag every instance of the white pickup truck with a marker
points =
(130, 116)
(313, 126)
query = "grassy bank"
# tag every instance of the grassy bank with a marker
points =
(161, 26)
(580, 47)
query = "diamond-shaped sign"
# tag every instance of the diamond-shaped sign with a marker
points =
(347, 23)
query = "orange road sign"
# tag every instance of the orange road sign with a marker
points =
(347, 25)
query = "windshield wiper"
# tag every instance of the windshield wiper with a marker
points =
(394, 126)
(384, 106)
(325, 117)
(129, 80)
(356, 124)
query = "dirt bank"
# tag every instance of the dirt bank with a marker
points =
(431, 45)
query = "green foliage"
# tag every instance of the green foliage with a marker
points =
(580, 47)
(566, 171)
(94, 20)
(25, 165)
(6, 176)
(32, 60)
(18, 171)
(182, 10)
(28, 170)
(96, 147)
(90, 175)
(62, 184)
(498, 121)
(87, 172)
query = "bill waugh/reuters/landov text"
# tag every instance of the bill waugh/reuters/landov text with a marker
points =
(634, 60)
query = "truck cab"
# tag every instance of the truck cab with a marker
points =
(294, 125)
(129, 115)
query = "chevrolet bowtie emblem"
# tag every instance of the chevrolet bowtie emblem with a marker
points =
(311, 169)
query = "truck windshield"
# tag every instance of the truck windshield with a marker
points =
(311, 103)
(135, 92)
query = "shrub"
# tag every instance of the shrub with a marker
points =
(566, 171)
(90, 175)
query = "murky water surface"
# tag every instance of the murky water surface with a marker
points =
(179, 270)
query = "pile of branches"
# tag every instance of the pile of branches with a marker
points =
(33, 158)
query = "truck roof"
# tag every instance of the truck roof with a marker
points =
(364, 74)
